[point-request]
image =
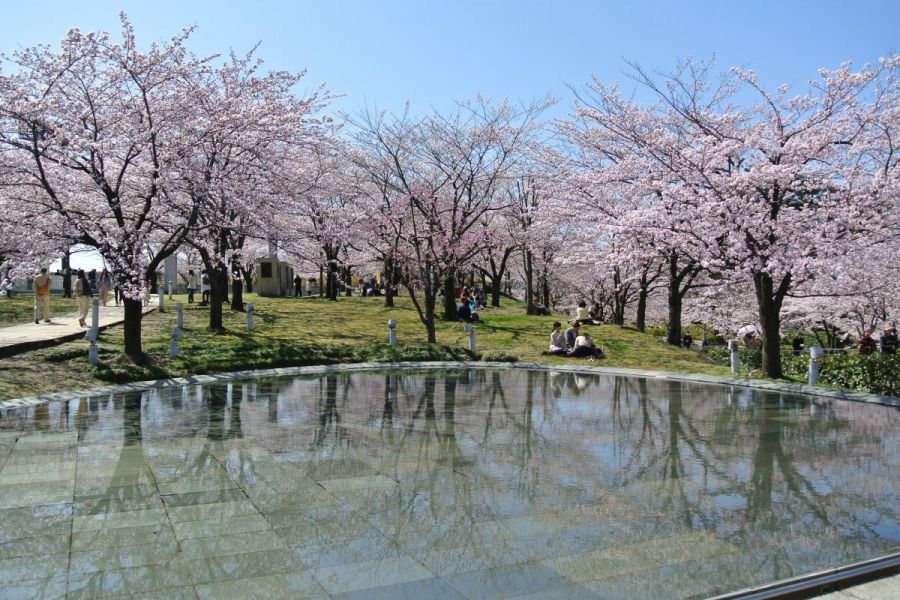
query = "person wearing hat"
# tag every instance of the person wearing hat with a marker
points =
(41, 286)
(889, 341)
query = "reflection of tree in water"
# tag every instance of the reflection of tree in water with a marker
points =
(688, 451)
(450, 498)
(223, 412)
(124, 484)
(329, 416)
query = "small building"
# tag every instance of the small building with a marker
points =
(273, 277)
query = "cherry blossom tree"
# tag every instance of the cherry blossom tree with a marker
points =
(765, 192)
(447, 171)
(95, 130)
(253, 134)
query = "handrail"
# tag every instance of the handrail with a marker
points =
(819, 581)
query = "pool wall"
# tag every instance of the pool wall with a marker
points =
(793, 388)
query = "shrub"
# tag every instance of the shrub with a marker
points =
(876, 373)
(500, 356)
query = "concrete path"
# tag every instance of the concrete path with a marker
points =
(62, 328)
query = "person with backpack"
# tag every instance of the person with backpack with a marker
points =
(83, 293)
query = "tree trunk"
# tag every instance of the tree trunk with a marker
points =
(134, 312)
(218, 286)
(642, 310)
(674, 334)
(248, 278)
(387, 278)
(450, 298)
(430, 300)
(545, 290)
(529, 284)
(237, 295)
(496, 284)
(348, 282)
(769, 302)
(321, 281)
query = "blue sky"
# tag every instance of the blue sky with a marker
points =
(384, 52)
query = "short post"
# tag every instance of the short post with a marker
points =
(735, 356)
(392, 326)
(94, 332)
(173, 343)
(249, 316)
(179, 308)
(471, 331)
(170, 290)
(95, 314)
(815, 353)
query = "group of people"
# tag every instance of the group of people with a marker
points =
(588, 316)
(888, 343)
(86, 286)
(572, 342)
(193, 283)
(467, 311)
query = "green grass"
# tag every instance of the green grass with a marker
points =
(20, 308)
(291, 331)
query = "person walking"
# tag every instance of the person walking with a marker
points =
(103, 284)
(191, 285)
(41, 286)
(83, 295)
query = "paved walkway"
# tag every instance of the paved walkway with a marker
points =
(62, 328)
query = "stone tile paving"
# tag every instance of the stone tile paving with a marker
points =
(61, 328)
(467, 484)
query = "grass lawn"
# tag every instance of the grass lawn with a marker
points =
(314, 331)
(20, 308)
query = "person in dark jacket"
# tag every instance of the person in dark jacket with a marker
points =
(889, 341)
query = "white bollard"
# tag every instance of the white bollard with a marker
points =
(815, 353)
(249, 316)
(95, 314)
(735, 356)
(94, 332)
(170, 290)
(392, 326)
(179, 307)
(471, 331)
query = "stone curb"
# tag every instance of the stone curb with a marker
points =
(793, 388)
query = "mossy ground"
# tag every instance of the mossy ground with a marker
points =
(291, 331)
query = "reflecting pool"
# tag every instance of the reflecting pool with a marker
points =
(441, 484)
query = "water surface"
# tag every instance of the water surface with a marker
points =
(441, 484)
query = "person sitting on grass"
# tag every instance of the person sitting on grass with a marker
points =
(464, 312)
(539, 309)
(572, 333)
(594, 313)
(583, 315)
(867, 345)
(558, 345)
(584, 347)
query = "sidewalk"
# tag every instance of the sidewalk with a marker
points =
(62, 328)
